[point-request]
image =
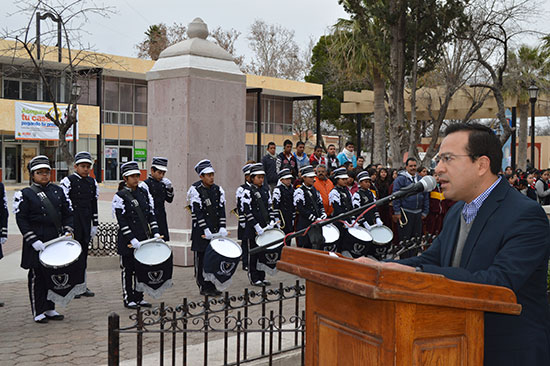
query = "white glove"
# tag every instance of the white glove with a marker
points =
(323, 216)
(3, 240)
(367, 226)
(135, 243)
(259, 229)
(157, 235)
(208, 234)
(38, 246)
(379, 222)
(167, 182)
(355, 224)
(223, 232)
(93, 231)
(271, 225)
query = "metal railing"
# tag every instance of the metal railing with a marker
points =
(105, 242)
(275, 315)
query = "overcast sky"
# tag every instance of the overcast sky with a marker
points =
(308, 18)
(122, 31)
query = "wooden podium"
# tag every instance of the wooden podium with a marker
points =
(357, 314)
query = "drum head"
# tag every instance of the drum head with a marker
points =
(153, 253)
(61, 253)
(270, 236)
(226, 247)
(331, 233)
(360, 233)
(381, 234)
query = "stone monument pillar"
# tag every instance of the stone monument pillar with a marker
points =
(196, 110)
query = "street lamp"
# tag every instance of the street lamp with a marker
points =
(533, 94)
(75, 94)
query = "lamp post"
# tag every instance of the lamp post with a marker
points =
(75, 94)
(533, 94)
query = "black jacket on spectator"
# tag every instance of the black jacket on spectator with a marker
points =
(288, 163)
(270, 167)
(35, 223)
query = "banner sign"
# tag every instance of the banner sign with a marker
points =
(31, 122)
(140, 154)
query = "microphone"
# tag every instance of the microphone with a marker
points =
(426, 184)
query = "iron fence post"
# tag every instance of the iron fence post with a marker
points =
(113, 339)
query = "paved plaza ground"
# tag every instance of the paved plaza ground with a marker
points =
(80, 339)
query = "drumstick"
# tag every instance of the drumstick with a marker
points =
(204, 237)
(160, 237)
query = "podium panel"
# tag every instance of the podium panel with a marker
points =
(345, 329)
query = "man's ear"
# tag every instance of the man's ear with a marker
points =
(484, 165)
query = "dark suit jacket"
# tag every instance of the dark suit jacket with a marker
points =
(508, 245)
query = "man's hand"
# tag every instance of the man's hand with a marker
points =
(395, 218)
(379, 222)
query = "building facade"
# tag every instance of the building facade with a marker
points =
(112, 113)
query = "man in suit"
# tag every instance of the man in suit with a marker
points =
(493, 235)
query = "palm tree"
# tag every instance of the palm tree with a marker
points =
(525, 66)
(363, 45)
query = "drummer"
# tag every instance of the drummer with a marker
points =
(242, 217)
(341, 200)
(82, 192)
(256, 204)
(207, 201)
(160, 188)
(309, 205)
(136, 220)
(38, 227)
(283, 200)
(363, 197)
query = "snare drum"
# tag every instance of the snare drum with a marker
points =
(267, 260)
(154, 266)
(331, 235)
(64, 273)
(382, 237)
(220, 262)
(358, 242)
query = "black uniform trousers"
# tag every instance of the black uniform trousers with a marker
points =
(82, 228)
(129, 279)
(203, 284)
(38, 292)
(254, 274)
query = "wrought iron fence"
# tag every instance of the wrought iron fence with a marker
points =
(105, 242)
(275, 315)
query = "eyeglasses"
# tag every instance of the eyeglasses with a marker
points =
(43, 173)
(446, 158)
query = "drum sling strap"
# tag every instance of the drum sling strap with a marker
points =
(313, 202)
(263, 210)
(50, 209)
(210, 210)
(129, 199)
